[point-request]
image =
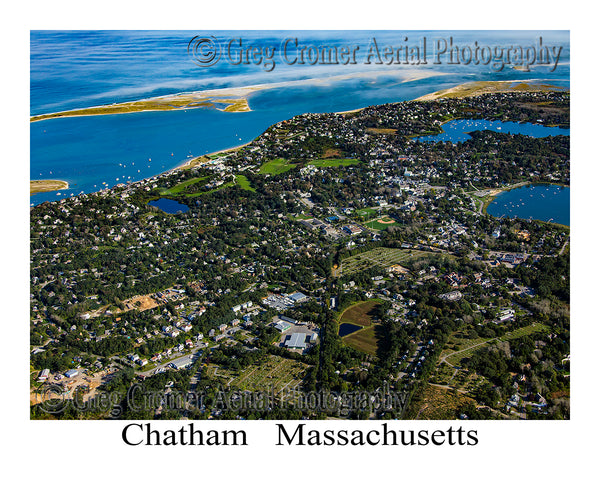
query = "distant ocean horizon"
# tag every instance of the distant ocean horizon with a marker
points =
(79, 69)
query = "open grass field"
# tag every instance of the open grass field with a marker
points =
(197, 194)
(244, 183)
(275, 167)
(363, 315)
(380, 223)
(382, 131)
(299, 216)
(381, 256)
(334, 162)
(275, 374)
(180, 187)
(364, 340)
(367, 213)
(360, 313)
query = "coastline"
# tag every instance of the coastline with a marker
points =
(476, 88)
(192, 162)
(42, 186)
(494, 192)
(237, 97)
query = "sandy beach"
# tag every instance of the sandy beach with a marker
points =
(235, 98)
(39, 186)
(473, 89)
(192, 162)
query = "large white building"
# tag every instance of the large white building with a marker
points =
(181, 363)
(282, 325)
(300, 341)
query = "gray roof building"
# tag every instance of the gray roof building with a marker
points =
(182, 363)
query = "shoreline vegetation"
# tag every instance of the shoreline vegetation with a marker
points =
(235, 99)
(224, 103)
(460, 91)
(194, 162)
(39, 186)
(473, 89)
(463, 90)
(487, 196)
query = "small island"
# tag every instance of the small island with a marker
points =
(39, 186)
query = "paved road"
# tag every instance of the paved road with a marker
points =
(563, 247)
(443, 359)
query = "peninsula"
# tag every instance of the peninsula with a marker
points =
(39, 186)
(473, 89)
(170, 102)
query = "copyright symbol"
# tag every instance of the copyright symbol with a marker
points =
(205, 52)
(52, 398)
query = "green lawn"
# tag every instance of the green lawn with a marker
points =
(225, 185)
(180, 187)
(275, 167)
(244, 183)
(366, 213)
(380, 223)
(334, 162)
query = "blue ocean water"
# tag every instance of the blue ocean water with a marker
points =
(549, 203)
(457, 130)
(75, 69)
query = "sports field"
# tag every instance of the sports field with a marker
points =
(381, 223)
(366, 213)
